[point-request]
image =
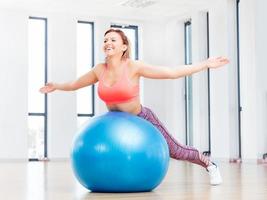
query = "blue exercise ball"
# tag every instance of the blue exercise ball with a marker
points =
(119, 152)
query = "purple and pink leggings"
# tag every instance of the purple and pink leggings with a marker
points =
(177, 150)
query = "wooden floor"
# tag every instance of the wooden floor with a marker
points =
(55, 181)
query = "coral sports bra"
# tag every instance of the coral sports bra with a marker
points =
(120, 92)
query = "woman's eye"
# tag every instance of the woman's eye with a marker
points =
(113, 40)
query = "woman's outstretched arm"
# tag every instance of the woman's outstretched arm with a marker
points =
(161, 72)
(85, 80)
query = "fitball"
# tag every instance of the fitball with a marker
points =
(119, 152)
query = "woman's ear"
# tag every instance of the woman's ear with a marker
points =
(124, 47)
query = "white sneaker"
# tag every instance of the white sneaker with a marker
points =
(215, 176)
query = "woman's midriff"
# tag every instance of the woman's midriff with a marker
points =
(133, 106)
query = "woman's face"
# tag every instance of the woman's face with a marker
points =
(113, 44)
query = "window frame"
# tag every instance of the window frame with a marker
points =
(44, 114)
(187, 80)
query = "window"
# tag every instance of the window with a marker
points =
(37, 76)
(188, 86)
(85, 61)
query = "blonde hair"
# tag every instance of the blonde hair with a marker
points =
(126, 54)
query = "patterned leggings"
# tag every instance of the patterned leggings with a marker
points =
(177, 150)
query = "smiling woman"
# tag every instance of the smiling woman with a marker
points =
(118, 87)
(233, 109)
(112, 40)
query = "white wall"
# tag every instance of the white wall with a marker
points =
(248, 79)
(252, 42)
(200, 81)
(13, 84)
(261, 65)
(174, 91)
(165, 97)
(161, 43)
(61, 68)
(224, 96)
(222, 80)
(62, 116)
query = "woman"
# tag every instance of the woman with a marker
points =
(118, 87)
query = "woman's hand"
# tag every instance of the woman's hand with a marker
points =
(216, 62)
(49, 87)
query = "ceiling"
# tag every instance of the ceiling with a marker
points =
(111, 8)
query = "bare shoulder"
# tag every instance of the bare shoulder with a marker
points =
(135, 64)
(138, 66)
(98, 69)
